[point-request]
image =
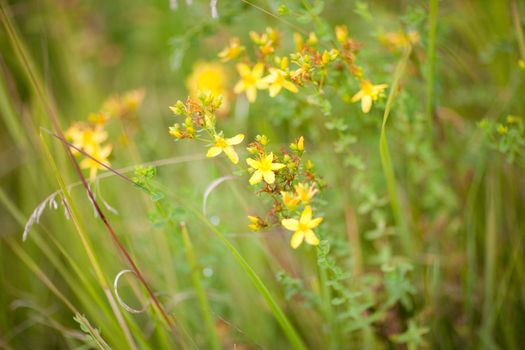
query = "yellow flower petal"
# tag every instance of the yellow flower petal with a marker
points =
(258, 70)
(311, 238)
(232, 155)
(251, 94)
(214, 151)
(269, 177)
(290, 224)
(239, 87)
(366, 103)
(243, 69)
(277, 166)
(315, 222)
(290, 86)
(256, 177)
(253, 163)
(274, 90)
(306, 216)
(358, 96)
(235, 140)
(297, 239)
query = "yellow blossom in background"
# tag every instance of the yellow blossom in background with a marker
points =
(341, 33)
(226, 145)
(266, 41)
(264, 169)
(277, 80)
(111, 107)
(511, 119)
(298, 41)
(271, 37)
(289, 200)
(121, 106)
(232, 51)
(399, 40)
(99, 153)
(368, 94)
(209, 77)
(89, 139)
(253, 222)
(98, 118)
(131, 100)
(300, 144)
(251, 80)
(312, 39)
(303, 228)
(84, 136)
(521, 64)
(305, 193)
(502, 129)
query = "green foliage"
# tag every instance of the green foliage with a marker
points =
(507, 137)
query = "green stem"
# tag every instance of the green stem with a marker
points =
(199, 289)
(487, 324)
(431, 59)
(386, 161)
(515, 12)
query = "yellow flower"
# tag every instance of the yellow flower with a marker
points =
(210, 77)
(226, 145)
(277, 80)
(264, 169)
(250, 80)
(99, 153)
(304, 192)
(254, 223)
(128, 103)
(132, 100)
(83, 136)
(511, 119)
(300, 144)
(521, 64)
(502, 129)
(303, 228)
(298, 40)
(368, 94)
(289, 199)
(111, 107)
(271, 37)
(233, 50)
(399, 40)
(341, 33)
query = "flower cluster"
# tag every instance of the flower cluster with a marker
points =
(282, 175)
(269, 72)
(290, 183)
(89, 137)
(311, 64)
(200, 123)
